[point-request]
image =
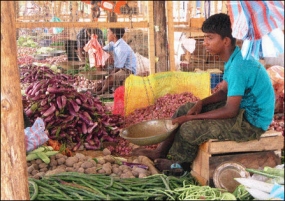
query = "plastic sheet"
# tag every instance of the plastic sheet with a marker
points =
(35, 136)
(276, 74)
(259, 24)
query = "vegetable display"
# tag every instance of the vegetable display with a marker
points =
(78, 186)
(74, 118)
(42, 152)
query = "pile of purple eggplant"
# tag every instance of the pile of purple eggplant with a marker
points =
(73, 118)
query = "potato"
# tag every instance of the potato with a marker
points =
(142, 175)
(60, 161)
(43, 165)
(109, 158)
(70, 169)
(139, 170)
(116, 170)
(106, 152)
(101, 171)
(86, 164)
(70, 161)
(91, 170)
(135, 173)
(81, 170)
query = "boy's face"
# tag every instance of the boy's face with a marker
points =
(213, 43)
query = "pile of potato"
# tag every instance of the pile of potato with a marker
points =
(106, 164)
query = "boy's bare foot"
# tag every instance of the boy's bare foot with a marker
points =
(151, 154)
(163, 164)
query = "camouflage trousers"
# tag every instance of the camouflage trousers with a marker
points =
(195, 132)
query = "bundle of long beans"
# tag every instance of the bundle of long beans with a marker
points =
(79, 186)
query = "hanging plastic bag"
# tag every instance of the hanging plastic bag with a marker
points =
(35, 136)
(142, 64)
(276, 74)
(97, 56)
(56, 30)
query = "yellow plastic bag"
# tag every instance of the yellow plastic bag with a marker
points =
(141, 92)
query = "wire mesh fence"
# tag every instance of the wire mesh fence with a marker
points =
(63, 46)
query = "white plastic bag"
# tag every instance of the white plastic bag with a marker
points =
(35, 136)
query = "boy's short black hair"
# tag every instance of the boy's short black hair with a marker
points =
(119, 32)
(220, 24)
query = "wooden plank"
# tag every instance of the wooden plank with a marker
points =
(81, 24)
(201, 163)
(151, 46)
(202, 181)
(196, 22)
(265, 143)
(269, 133)
(170, 28)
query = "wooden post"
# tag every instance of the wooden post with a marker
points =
(170, 27)
(14, 175)
(151, 49)
(160, 37)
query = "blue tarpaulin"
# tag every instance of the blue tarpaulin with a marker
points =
(259, 24)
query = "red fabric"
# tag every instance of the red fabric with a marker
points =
(119, 95)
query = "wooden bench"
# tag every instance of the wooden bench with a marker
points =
(251, 154)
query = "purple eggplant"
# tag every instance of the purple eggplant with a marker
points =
(85, 119)
(75, 106)
(94, 147)
(91, 128)
(49, 111)
(63, 101)
(58, 102)
(84, 128)
(76, 147)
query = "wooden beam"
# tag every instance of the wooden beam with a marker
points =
(14, 174)
(81, 24)
(170, 33)
(151, 49)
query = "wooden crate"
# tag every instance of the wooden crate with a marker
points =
(251, 154)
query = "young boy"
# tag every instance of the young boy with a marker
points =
(241, 110)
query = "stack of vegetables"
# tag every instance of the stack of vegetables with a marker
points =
(73, 118)
(77, 186)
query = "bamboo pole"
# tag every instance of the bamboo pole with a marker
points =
(14, 174)
(224, 7)
(171, 53)
(151, 44)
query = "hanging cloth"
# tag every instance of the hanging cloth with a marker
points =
(97, 56)
(255, 22)
(207, 9)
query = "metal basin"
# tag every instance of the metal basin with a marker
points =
(149, 132)
(57, 52)
(42, 56)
